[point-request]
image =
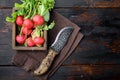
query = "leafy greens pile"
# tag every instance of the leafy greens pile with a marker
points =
(31, 18)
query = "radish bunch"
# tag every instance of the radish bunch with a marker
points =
(27, 26)
(31, 18)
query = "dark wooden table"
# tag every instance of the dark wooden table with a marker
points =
(98, 54)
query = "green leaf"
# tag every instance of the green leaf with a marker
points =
(14, 14)
(12, 19)
(41, 33)
(8, 19)
(52, 24)
(33, 34)
(26, 6)
(45, 27)
(17, 5)
(37, 31)
(20, 12)
(42, 10)
(34, 12)
(50, 4)
(25, 44)
(23, 0)
(43, 1)
(47, 16)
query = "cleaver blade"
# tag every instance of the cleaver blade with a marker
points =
(55, 48)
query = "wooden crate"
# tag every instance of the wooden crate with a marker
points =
(16, 46)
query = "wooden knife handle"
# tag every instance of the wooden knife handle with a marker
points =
(46, 63)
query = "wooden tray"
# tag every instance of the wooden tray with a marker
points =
(16, 46)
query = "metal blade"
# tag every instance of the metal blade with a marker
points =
(61, 39)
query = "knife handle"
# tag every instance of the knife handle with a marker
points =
(46, 63)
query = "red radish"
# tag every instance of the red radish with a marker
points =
(38, 40)
(26, 31)
(35, 25)
(30, 42)
(28, 23)
(20, 39)
(19, 20)
(38, 20)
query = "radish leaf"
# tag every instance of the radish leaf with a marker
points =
(47, 16)
(51, 25)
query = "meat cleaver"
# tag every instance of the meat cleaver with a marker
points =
(55, 48)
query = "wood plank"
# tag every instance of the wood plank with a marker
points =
(66, 72)
(88, 3)
(6, 54)
(5, 27)
(14, 73)
(8, 3)
(93, 16)
(98, 45)
(87, 72)
(6, 51)
(5, 37)
(71, 3)
(3, 24)
(106, 3)
(101, 42)
(100, 23)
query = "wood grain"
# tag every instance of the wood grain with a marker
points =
(87, 72)
(99, 36)
(67, 72)
(72, 3)
(101, 31)
(97, 57)
(14, 73)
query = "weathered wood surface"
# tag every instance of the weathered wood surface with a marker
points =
(72, 3)
(66, 72)
(100, 35)
(87, 72)
(14, 73)
(97, 57)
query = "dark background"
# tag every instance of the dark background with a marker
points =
(97, 57)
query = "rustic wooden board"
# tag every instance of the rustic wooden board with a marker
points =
(14, 73)
(3, 14)
(6, 51)
(97, 57)
(72, 3)
(6, 54)
(66, 72)
(88, 3)
(87, 72)
(101, 42)
(8, 3)
(5, 38)
(5, 28)
(92, 17)
(98, 45)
